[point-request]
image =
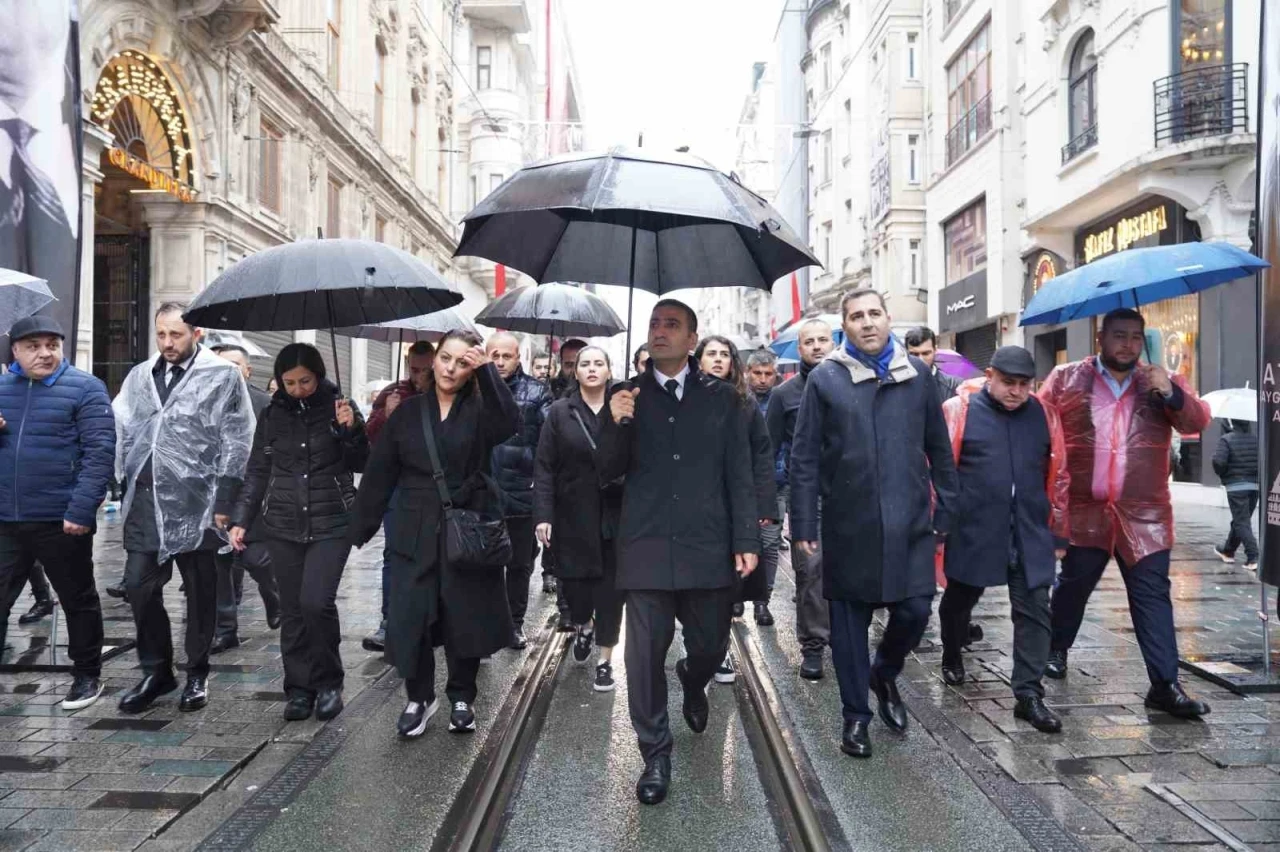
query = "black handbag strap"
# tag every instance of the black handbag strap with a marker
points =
(437, 469)
(585, 430)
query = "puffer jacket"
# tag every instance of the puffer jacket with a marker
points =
(1236, 459)
(512, 460)
(299, 481)
(58, 447)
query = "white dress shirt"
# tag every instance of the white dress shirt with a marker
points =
(662, 379)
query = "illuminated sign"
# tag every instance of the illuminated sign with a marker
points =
(1045, 269)
(962, 305)
(151, 176)
(1125, 233)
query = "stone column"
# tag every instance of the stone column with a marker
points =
(96, 140)
(177, 251)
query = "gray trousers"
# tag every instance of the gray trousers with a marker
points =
(255, 559)
(813, 617)
(704, 616)
(770, 539)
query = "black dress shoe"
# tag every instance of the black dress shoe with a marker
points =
(328, 704)
(146, 691)
(565, 625)
(273, 612)
(953, 670)
(1169, 698)
(1056, 668)
(518, 641)
(1031, 708)
(652, 787)
(117, 591)
(811, 666)
(975, 634)
(764, 618)
(856, 739)
(299, 707)
(39, 610)
(695, 706)
(223, 643)
(195, 694)
(892, 711)
(377, 640)
(738, 609)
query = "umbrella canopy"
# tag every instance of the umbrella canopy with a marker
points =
(558, 310)
(786, 345)
(213, 338)
(321, 284)
(631, 217)
(1136, 277)
(1233, 404)
(954, 364)
(430, 327)
(21, 295)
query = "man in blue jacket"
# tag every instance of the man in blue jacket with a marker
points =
(57, 449)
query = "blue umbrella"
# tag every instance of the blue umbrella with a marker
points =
(785, 345)
(1136, 277)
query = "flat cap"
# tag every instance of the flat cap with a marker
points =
(1014, 361)
(35, 325)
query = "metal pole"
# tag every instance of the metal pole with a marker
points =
(333, 342)
(631, 298)
(1264, 427)
(399, 355)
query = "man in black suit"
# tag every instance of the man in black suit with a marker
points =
(688, 523)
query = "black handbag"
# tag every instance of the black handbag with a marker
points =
(472, 539)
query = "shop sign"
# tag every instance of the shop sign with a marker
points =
(148, 174)
(963, 305)
(1045, 269)
(1125, 232)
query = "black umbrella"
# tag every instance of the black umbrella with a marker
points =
(629, 217)
(321, 284)
(557, 310)
(430, 327)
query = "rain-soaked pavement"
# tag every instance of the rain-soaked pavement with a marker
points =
(967, 776)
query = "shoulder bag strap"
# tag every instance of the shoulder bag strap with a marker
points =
(585, 430)
(437, 469)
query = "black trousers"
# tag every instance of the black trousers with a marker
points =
(520, 568)
(308, 575)
(850, 649)
(460, 686)
(598, 598)
(704, 616)
(1150, 606)
(144, 580)
(1030, 611)
(70, 568)
(256, 559)
(1242, 504)
(39, 583)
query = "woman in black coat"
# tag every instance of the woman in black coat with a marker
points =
(299, 487)
(431, 602)
(718, 356)
(576, 515)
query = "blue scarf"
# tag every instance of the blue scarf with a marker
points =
(878, 364)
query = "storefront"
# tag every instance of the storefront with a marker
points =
(1052, 345)
(962, 315)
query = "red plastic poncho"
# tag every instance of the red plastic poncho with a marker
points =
(1118, 457)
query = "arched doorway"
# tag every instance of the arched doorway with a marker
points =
(150, 153)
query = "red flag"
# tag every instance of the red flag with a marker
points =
(795, 298)
(773, 328)
(499, 280)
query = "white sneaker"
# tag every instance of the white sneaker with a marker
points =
(726, 674)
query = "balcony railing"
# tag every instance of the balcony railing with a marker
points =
(1085, 140)
(971, 127)
(1211, 101)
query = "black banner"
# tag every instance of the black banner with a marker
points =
(41, 151)
(1269, 291)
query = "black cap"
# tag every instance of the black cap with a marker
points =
(1014, 361)
(32, 326)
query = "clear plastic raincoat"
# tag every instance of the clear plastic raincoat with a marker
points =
(1118, 456)
(199, 443)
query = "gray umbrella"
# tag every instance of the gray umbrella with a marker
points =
(321, 284)
(557, 310)
(21, 295)
(430, 327)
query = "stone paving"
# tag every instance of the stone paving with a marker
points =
(102, 779)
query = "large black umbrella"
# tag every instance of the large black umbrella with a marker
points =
(630, 217)
(321, 284)
(557, 310)
(430, 327)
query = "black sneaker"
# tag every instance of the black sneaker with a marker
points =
(462, 720)
(604, 677)
(39, 610)
(413, 721)
(582, 645)
(726, 674)
(85, 690)
(764, 618)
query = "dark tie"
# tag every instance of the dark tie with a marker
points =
(672, 386)
(29, 183)
(175, 373)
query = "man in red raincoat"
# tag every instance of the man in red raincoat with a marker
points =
(1118, 418)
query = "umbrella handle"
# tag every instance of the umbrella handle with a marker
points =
(333, 342)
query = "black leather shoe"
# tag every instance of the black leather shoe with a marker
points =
(1169, 698)
(975, 634)
(328, 704)
(272, 605)
(223, 643)
(953, 670)
(565, 625)
(856, 739)
(299, 707)
(39, 610)
(1031, 709)
(377, 640)
(117, 591)
(811, 666)
(1056, 668)
(195, 694)
(652, 787)
(695, 702)
(518, 641)
(146, 691)
(764, 618)
(738, 609)
(892, 711)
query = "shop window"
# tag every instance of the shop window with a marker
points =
(1173, 336)
(965, 237)
(969, 95)
(270, 140)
